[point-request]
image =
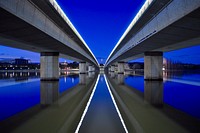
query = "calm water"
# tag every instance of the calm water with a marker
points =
(168, 106)
(102, 116)
(180, 91)
(20, 91)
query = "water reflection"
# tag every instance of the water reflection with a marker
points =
(91, 74)
(18, 95)
(46, 118)
(49, 92)
(120, 79)
(153, 92)
(178, 105)
(135, 72)
(82, 79)
(18, 76)
(112, 74)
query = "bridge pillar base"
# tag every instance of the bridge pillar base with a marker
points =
(120, 67)
(153, 64)
(82, 68)
(49, 66)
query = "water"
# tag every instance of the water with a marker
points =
(18, 93)
(169, 106)
(181, 92)
(102, 116)
(177, 96)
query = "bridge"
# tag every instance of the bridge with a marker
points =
(159, 26)
(41, 26)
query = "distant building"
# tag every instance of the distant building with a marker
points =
(136, 65)
(18, 64)
(169, 64)
(21, 61)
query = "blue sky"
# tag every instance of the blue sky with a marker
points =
(101, 24)
(186, 55)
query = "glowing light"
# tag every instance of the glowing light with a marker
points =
(133, 22)
(116, 107)
(87, 106)
(64, 16)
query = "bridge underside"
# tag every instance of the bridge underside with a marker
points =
(183, 33)
(15, 32)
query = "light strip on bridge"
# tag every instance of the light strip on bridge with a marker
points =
(87, 106)
(135, 19)
(116, 107)
(64, 16)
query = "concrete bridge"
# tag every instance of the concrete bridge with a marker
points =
(41, 26)
(159, 26)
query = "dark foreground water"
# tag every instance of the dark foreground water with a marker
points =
(177, 97)
(28, 105)
(101, 116)
(22, 92)
(179, 91)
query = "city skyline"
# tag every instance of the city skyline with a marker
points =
(186, 55)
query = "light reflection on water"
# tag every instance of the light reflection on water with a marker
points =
(28, 91)
(22, 90)
(156, 105)
(180, 90)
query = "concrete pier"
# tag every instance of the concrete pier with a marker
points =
(49, 66)
(112, 68)
(82, 68)
(121, 67)
(90, 68)
(153, 63)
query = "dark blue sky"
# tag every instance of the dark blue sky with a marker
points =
(101, 24)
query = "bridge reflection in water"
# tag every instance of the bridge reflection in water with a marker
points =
(90, 107)
(156, 106)
(58, 111)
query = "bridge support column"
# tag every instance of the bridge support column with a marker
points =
(109, 69)
(112, 68)
(49, 66)
(90, 68)
(120, 67)
(153, 63)
(82, 67)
